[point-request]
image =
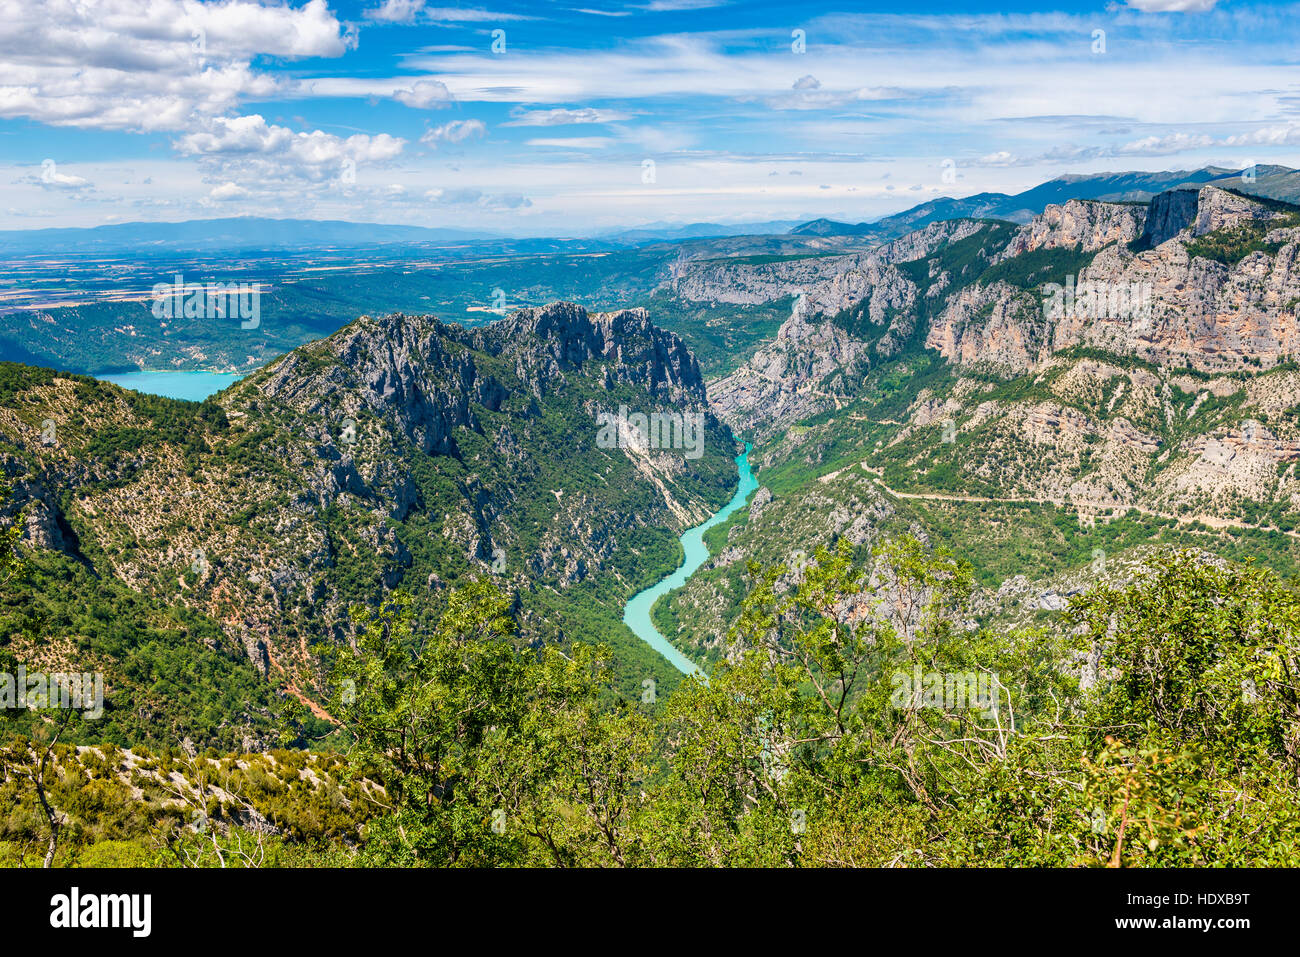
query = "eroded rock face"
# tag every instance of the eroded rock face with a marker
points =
(1078, 224)
(639, 353)
(997, 325)
(1218, 209)
(1194, 311)
(779, 385)
(812, 361)
(830, 284)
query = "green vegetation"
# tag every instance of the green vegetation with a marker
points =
(821, 741)
(1232, 244)
(1039, 267)
(722, 336)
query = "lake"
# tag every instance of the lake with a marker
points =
(195, 386)
(637, 613)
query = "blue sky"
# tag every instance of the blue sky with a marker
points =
(558, 118)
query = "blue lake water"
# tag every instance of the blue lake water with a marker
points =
(195, 386)
(637, 613)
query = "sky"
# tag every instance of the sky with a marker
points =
(578, 116)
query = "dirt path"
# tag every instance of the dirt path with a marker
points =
(1212, 521)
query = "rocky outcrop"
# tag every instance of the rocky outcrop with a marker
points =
(828, 284)
(795, 376)
(998, 325)
(1218, 209)
(1078, 224)
(549, 341)
(813, 362)
(1164, 305)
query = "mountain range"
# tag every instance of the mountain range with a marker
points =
(1274, 182)
(258, 233)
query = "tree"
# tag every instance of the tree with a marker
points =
(487, 753)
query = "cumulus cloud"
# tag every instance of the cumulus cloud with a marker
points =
(1000, 158)
(424, 95)
(457, 131)
(1164, 145)
(226, 192)
(51, 177)
(808, 82)
(145, 65)
(1285, 135)
(248, 149)
(395, 11)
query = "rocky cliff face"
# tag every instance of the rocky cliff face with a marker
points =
(1169, 214)
(813, 361)
(1078, 224)
(794, 377)
(829, 284)
(1218, 209)
(1099, 436)
(627, 343)
(1174, 305)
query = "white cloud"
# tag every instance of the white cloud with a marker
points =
(572, 142)
(1164, 145)
(1285, 135)
(248, 150)
(1172, 6)
(149, 64)
(566, 117)
(424, 95)
(673, 6)
(51, 177)
(457, 131)
(395, 11)
(1000, 158)
(475, 197)
(226, 192)
(471, 15)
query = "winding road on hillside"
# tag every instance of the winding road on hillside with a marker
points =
(1212, 521)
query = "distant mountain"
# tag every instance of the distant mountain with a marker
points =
(652, 232)
(1274, 182)
(236, 232)
(829, 227)
(257, 233)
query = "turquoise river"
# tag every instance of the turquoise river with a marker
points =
(637, 613)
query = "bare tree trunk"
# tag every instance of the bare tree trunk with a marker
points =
(39, 780)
